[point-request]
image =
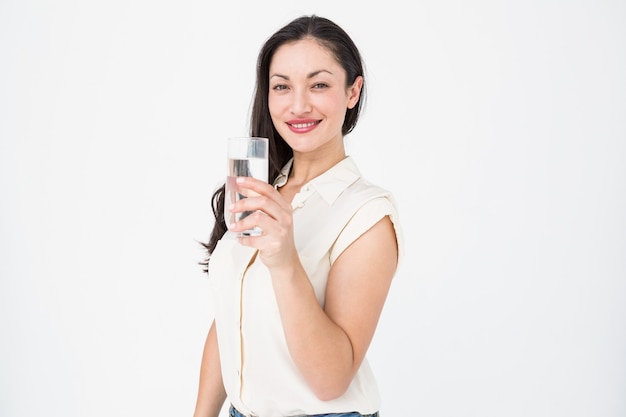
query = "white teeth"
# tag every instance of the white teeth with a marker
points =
(303, 125)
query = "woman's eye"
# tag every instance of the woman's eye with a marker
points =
(320, 85)
(279, 87)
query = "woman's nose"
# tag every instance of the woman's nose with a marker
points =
(300, 103)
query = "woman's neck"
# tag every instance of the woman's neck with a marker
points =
(306, 166)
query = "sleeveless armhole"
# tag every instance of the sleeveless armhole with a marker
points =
(364, 219)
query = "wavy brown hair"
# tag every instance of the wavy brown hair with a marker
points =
(329, 35)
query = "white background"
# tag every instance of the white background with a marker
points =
(500, 127)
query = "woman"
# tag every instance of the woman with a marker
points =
(297, 307)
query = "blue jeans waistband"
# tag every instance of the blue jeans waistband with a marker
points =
(233, 412)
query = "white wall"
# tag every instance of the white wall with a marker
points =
(500, 126)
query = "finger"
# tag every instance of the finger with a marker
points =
(255, 219)
(278, 209)
(257, 241)
(250, 205)
(260, 188)
(256, 185)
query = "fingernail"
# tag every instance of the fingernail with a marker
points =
(240, 180)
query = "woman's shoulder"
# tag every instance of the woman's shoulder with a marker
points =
(361, 187)
(363, 191)
(367, 204)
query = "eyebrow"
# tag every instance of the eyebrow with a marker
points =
(310, 75)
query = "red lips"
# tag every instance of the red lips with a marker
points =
(303, 125)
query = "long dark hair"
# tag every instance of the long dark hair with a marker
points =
(329, 35)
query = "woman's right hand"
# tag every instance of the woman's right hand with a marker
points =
(273, 214)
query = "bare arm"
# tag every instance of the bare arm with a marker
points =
(211, 393)
(329, 345)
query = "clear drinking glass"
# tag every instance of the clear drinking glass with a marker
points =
(247, 157)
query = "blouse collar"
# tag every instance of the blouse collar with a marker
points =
(330, 184)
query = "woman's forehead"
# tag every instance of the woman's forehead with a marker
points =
(304, 56)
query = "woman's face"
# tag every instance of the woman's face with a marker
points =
(308, 97)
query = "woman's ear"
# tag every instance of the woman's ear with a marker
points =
(354, 92)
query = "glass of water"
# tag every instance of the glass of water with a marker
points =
(247, 157)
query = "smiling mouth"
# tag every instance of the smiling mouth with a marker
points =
(303, 125)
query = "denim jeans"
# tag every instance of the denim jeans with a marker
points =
(233, 412)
